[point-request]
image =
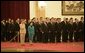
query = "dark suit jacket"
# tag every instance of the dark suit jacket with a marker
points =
(17, 27)
(58, 27)
(64, 26)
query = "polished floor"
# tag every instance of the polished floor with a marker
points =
(42, 47)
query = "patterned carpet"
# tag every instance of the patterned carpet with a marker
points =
(42, 47)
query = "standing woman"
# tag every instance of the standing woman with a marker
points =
(31, 32)
(22, 31)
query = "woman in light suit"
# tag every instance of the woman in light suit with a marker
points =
(22, 31)
(31, 32)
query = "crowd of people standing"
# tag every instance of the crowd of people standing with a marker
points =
(43, 30)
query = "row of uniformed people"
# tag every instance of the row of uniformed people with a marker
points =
(48, 30)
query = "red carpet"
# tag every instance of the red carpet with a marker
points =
(60, 47)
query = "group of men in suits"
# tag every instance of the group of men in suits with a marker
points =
(55, 30)
(46, 30)
(9, 29)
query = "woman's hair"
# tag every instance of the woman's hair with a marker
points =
(31, 22)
